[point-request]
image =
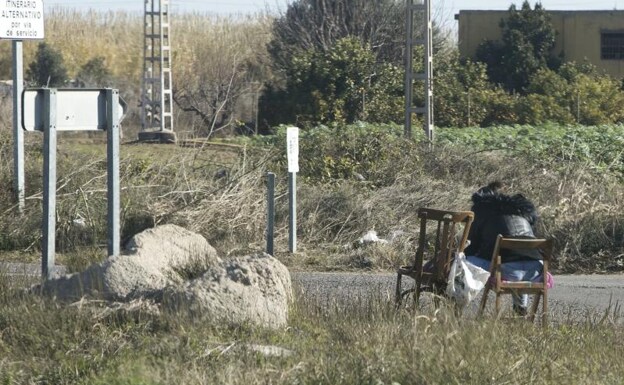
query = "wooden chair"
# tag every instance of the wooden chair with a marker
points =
(500, 287)
(447, 224)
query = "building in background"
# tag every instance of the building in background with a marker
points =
(595, 36)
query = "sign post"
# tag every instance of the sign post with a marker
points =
(270, 212)
(19, 178)
(292, 150)
(20, 20)
(112, 155)
(51, 110)
(49, 182)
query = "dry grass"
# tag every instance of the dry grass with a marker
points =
(207, 51)
(219, 191)
(363, 341)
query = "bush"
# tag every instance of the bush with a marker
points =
(576, 93)
(48, 69)
(343, 84)
(94, 73)
(366, 152)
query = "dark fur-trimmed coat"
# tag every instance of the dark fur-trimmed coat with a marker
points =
(497, 213)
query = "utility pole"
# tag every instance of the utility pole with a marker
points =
(156, 92)
(425, 40)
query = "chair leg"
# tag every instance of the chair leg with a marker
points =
(397, 294)
(416, 295)
(484, 298)
(545, 309)
(534, 307)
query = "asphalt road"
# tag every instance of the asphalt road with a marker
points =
(573, 296)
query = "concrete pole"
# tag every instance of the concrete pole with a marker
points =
(270, 212)
(292, 194)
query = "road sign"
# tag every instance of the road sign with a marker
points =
(292, 148)
(77, 109)
(21, 19)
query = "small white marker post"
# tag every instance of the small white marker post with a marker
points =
(292, 150)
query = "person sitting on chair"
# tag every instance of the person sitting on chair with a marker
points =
(511, 216)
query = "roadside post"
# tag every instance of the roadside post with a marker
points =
(21, 20)
(292, 150)
(51, 110)
(270, 212)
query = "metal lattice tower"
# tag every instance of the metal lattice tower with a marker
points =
(413, 10)
(156, 93)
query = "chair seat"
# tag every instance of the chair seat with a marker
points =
(410, 271)
(537, 282)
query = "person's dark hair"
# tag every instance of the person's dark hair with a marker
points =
(496, 186)
(493, 187)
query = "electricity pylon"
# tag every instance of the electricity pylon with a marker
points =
(156, 92)
(426, 110)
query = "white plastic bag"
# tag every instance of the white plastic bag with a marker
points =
(465, 280)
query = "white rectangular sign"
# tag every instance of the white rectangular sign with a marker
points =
(292, 148)
(21, 19)
(77, 109)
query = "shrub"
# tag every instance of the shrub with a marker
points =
(48, 68)
(94, 73)
(342, 85)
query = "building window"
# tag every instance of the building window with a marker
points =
(612, 45)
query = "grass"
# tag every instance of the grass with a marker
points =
(364, 341)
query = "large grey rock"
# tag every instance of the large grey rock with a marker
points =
(254, 289)
(175, 267)
(154, 259)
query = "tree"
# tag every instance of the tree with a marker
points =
(527, 45)
(305, 43)
(47, 70)
(221, 73)
(94, 73)
(341, 85)
(319, 24)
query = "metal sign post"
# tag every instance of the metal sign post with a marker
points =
(49, 182)
(292, 150)
(19, 178)
(112, 154)
(51, 110)
(20, 20)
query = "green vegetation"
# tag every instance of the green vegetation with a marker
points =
(527, 46)
(331, 61)
(48, 69)
(353, 178)
(342, 84)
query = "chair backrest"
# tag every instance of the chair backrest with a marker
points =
(446, 243)
(545, 247)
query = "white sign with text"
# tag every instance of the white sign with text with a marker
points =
(292, 148)
(21, 19)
